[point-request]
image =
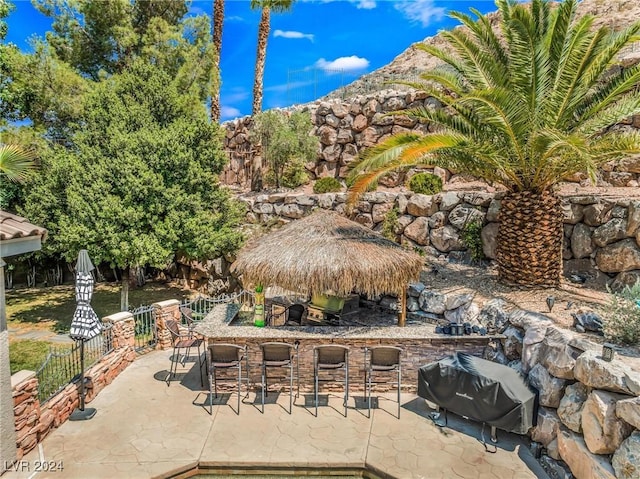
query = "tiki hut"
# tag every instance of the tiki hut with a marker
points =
(328, 252)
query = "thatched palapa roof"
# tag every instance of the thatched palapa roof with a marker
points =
(328, 252)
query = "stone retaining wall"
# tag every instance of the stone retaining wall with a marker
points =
(346, 128)
(33, 420)
(602, 235)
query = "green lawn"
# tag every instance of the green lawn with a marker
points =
(52, 308)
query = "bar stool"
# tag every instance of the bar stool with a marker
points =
(280, 355)
(382, 359)
(225, 356)
(331, 358)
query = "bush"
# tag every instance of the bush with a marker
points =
(621, 317)
(390, 224)
(471, 237)
(327, 185)
(425, 183)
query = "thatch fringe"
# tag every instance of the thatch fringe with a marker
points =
(326, 252)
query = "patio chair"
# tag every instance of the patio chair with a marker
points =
(280, 355)
(331, 358)
(225, 356)
(182, 342)
(382, 359)
(186, 314)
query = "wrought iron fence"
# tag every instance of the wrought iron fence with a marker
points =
(62, 364)
(146, 331)
(201, 305)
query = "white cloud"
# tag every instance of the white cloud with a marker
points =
(366, 4)
(234, 18)
(227, 112)
(422, 11)
(343, 63)
(292, 34)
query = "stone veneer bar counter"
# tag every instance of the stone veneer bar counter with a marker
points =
(421, 345)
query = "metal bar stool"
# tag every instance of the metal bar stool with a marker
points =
(331, 358)
(225, 356)
(280, 355)
(182, 342)
(382, 359)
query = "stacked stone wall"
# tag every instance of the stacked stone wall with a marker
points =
(34, 421)
(601, 234)
(345, 128)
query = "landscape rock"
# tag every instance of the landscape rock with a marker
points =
(525, 319)
(626, 459)
(494, 315)
(546, 429)
(412, 304)
(624, 279)
(531, 343)
(588, 320)
(603, 431)
(597, 214)
(446, 239)
(621, 256)
(418, 231)
(572, 213)
(421, 205)
(633, 221)
(448, 200)
(415, 289)
(453, 301)
(550, 389)
(615, 376)
(581, 241)
(571, 404)
(432, 302)
(513, 343)
(489, 236)
(553, 465)
(557, 355)
(629, 411)
(438, 220)
(583, 464)
(494, 352)
(462, 215)
(611, 231)
(493, 210)
(467, 313)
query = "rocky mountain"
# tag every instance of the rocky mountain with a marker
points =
(408, 65)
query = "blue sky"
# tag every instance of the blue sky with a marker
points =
(311, 50)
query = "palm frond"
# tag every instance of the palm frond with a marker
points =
(16, 162)
(615, 113)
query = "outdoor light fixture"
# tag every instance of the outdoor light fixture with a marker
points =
(551, 300)
(607, 351)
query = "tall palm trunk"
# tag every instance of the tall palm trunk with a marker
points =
(218, 19)
(261, 56)
(529, 249)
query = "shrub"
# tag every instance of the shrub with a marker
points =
(327, 185)
(425, 183)
(390, 224)
(621, 317)
(471, 236)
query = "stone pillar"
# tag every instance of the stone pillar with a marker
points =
(24, 386)
(164, 311)
(123, 329)
(7, 425)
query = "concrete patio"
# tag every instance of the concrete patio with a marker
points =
(145, 429)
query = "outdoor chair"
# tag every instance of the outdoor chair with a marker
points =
(331, 358)
(186, 314)
(382, 359)
(280, 355)
(182, 342)
(225, 356)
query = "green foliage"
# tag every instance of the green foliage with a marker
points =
(425, 183)
(328, 184)
(140, 182)
(471, 237)
(390, 224)
(287, 144)
(621, 316)
(524, 109)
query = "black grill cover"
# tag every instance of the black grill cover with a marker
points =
(481, 390)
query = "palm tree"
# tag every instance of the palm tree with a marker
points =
(266, 6)
(16, 162)
(218, 19)
(524, 108)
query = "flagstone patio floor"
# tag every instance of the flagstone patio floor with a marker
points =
(146, 429)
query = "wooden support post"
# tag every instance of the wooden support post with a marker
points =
(402, 312)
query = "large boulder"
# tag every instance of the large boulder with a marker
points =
(453, 301)
(629, 410)
(603, 431)
(446, 239)
(581, 242)
(448, 200)
(513, 343)
(531, 344)
(467, 313)
(610, 232)
(494, 352)
(621, 256)
(525, 319)
(615, 376)
(421, 205)
(571, 404)
(546, 429)
(626, 460)
(556, 355)
(432, 302)
(418, 231)
(494, 314)
(583, 464)
(415, 289)
(550, 389)
(462, 215)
